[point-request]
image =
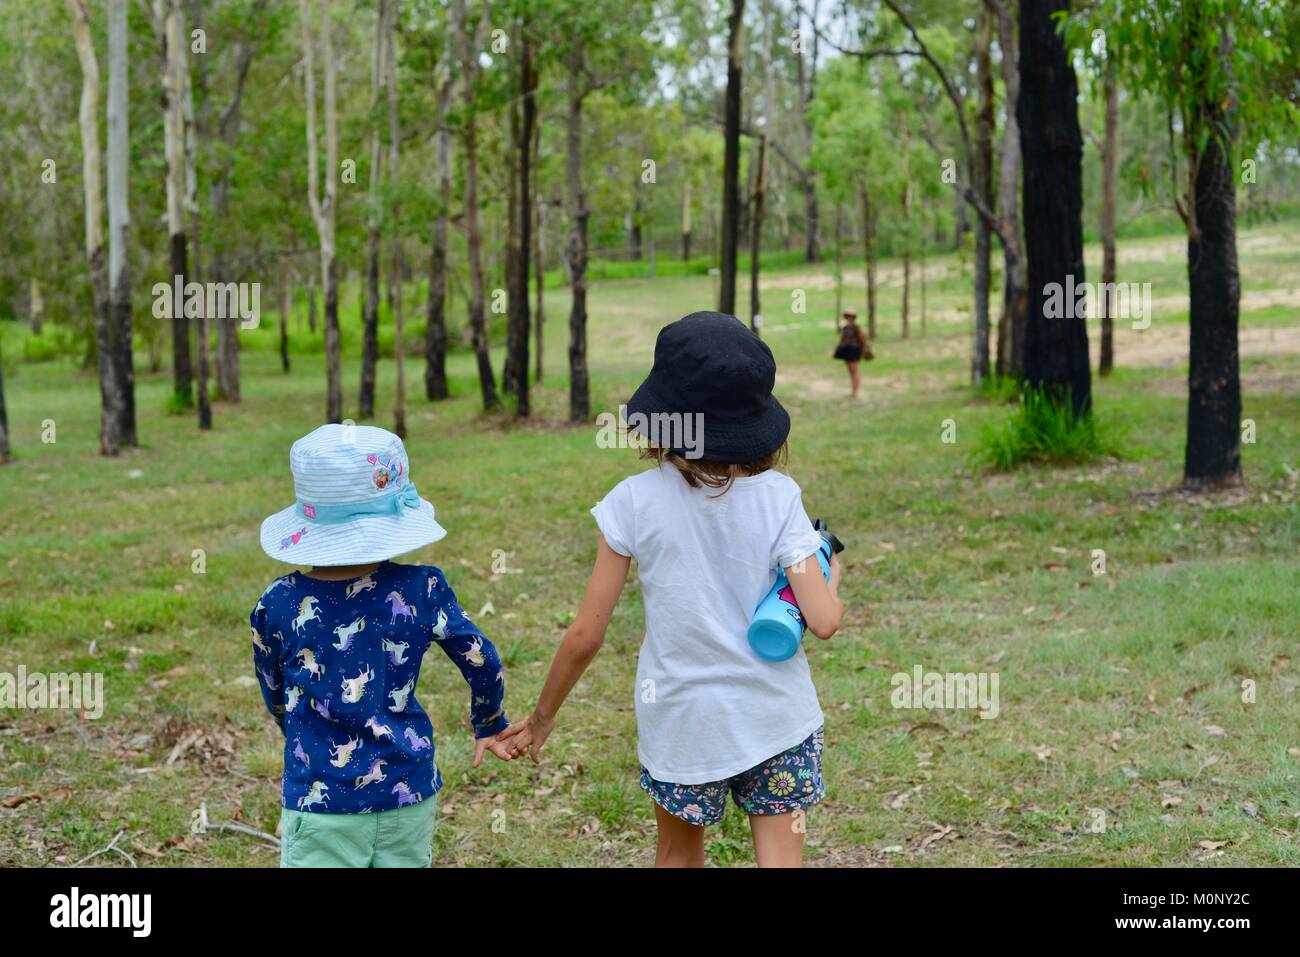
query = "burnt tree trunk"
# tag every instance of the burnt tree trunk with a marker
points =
(1109, 168)
(1011, 323)
(731, 162)
(1056, 339)
(473, 230)
(435, 339)
(1213, 458)
(579, 386)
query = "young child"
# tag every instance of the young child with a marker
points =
(337, 651)
(708, 533)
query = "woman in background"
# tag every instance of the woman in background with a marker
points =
(852, 348)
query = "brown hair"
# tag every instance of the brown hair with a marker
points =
(700, 473)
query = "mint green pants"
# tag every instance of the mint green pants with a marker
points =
(402, 837)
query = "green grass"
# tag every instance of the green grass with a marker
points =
(1120, 692)
(1044, 430)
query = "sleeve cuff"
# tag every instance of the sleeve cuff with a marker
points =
(496, 727)
(606, 525)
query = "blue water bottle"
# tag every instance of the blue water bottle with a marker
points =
(778, 625)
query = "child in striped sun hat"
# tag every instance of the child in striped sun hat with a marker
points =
(337, 652)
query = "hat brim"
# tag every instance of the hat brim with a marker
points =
(724, 442)
(371, 538)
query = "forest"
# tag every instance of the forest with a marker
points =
(1068, 229)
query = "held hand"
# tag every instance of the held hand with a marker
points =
(493, 744)
(528, 736)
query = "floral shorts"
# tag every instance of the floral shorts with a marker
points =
(787, 782)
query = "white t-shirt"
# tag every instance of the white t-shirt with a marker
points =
(715, 708)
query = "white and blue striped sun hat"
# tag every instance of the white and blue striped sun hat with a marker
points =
(356, 502)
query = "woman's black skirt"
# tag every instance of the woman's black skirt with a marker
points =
(848, 353)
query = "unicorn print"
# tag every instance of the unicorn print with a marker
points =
(417, 742)
(440, 628)
(399, 607)
(258, 644)
(308, 610)
(433, 583)
(314, 796)
(400, 696)
(374, 776)
(269, 679)
(405, 795)
(291, 699)
(299, 753)
(474, 654)
(343, 752)
(309, 663)
(396, 651)
(322, 708)
(380, 731)
(347, 632)
(354, 688)
(360, 585)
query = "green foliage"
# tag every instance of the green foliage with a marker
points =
(1044, 430)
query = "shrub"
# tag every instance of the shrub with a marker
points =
(1044, 429)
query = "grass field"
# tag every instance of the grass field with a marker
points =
(1122, 738)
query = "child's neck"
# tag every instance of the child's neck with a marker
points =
(333, 573)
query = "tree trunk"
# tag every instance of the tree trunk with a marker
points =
(686, 222)
(119, 219)
(227, 327)
(322, 207)
(731, 162)
(397, 272)
(983, 186)
(1011, 323)
(539, 316)
(435, 342)
(756, 237)
(839, 263)
(110, 439)
(515, 379)
(167, 17)
(579, 388)
(1213, 457)
(374, 223)
(869, 260)
(286, 303)
(1109, 171)
(1056, 337)
(474, 237)
(806, 91)
(907, 229)
(6, 453)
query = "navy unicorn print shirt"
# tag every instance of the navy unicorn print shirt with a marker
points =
(338, 662)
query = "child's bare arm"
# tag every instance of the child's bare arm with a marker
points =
(819, 599)
(581, 642)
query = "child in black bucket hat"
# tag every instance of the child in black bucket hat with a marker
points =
(710, 527)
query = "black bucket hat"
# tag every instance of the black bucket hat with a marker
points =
(712, 365)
